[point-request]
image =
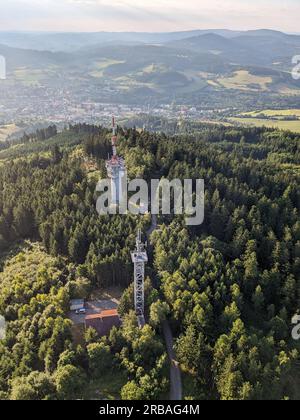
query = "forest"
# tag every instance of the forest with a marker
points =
(229, 287)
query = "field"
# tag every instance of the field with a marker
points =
(293, 125)
(275, 113)
(100, 66)
(243, 80)
(29, 77)
(7, 130)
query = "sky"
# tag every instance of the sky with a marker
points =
(148, 15)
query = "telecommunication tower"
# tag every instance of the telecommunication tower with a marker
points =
(116, 171)
(139, 258)
(182, 118)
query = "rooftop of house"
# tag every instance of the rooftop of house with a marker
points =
(103, 314)
(77, 301)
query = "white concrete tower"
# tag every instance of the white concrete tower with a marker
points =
(116, 171)
(139, 258)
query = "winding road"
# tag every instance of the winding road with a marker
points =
(175, 373)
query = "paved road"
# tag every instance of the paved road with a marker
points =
(153, 225)
(175, 374)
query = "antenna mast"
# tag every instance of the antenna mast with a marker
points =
(114, 138)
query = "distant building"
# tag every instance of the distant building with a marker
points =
(103, 322)
(76, 304)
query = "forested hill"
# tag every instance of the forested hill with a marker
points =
(230, 286)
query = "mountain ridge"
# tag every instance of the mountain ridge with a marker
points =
(71, 41)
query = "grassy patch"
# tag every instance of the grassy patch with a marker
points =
(193, 87)
(243, 80)
(155, 68)
(100, 66)
(276, 113)
(29, 77)
(8, 130)
(270, 123)
(288, 91)
(213, 83)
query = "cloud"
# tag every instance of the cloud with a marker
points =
(149, 15)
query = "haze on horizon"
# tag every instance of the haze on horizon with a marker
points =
(148, 15)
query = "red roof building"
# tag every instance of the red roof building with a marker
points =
(103, 322)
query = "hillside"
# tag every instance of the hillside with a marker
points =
(251, 48)
(73, 41)
(18, 58)
(229, 286)
(210, 70)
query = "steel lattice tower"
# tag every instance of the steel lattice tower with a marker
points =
(139, 258)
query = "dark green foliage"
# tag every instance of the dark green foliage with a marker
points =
(230, 286)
